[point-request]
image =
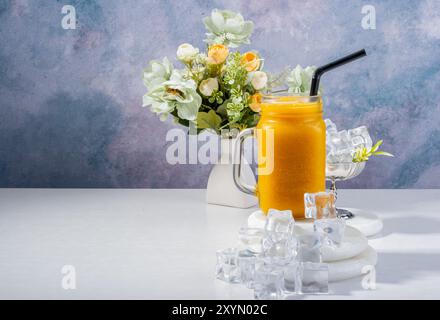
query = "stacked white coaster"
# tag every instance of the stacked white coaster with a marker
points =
(345, 261)
(366, 222)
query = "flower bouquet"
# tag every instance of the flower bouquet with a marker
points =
(219, 89)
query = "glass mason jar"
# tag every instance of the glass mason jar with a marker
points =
(291, 152)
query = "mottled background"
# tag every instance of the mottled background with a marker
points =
(70, 100)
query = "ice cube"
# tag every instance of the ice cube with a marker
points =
(268, 283)
(331, 231)
(330, 126)
(341, 158)
(250, 238)
(358, 142)
(320, 205)
(343, 134)
(291, 286)
(280, 251)
(279, 224)
(312, 278)
(360, 137)
(338, 143)
(247, 262)
(309, 248)
(227, 268)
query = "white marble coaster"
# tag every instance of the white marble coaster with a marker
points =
(354, 267)
(366, 222)
(354, 242)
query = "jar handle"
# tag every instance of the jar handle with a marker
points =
(239, 155)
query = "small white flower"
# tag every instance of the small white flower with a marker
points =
(208, 86)
(186, 52)
(259, 80)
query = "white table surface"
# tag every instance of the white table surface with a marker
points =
(160, 244)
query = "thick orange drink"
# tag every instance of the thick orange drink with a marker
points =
(298, 147)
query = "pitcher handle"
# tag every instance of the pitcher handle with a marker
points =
(239, 154)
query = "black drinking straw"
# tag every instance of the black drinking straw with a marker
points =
(332, 65)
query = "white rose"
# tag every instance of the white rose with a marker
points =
(186, 52)
(208, 86)
(259, 80)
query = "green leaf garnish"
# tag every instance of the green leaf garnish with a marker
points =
(363, 154)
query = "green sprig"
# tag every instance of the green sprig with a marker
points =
(363, 154)
(235, 74)
(216, 97)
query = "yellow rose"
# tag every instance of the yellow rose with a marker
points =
(251, 61)
(255, 104)
(217, 54)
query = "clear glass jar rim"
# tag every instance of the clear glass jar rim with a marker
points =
(270, 98)
(289, 99)
(284, 93)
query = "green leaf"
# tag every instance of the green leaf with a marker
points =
(376, 146)
(383, 153)
(208, 120)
